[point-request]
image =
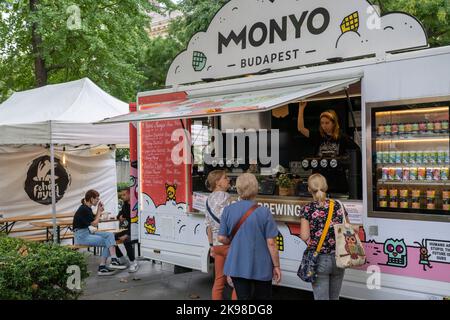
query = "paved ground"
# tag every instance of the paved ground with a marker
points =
(156, 281)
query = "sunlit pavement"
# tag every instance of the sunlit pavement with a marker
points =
(155, 281)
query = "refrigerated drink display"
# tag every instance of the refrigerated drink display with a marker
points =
(411, 171)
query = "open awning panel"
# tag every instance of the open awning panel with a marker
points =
(246, 102)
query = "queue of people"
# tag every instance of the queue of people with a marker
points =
(242, 237)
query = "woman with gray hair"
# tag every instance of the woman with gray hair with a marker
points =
(252, 261)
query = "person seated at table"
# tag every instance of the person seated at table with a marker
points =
(84, 222)
(124, 218)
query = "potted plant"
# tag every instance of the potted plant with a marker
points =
(285, 185)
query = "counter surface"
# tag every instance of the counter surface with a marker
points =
(284, 209)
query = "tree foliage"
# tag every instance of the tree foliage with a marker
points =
(196, 16)
(47, 41)
(434, 14)
(40, 41)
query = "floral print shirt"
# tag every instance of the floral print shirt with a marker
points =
(317, 217)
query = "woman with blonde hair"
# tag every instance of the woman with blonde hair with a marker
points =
(252, 261)
(330, 142)
(313, 217)
(218, 183)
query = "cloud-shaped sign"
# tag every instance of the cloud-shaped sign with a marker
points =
(248, 36)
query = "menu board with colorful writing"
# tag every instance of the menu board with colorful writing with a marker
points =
(163, 180)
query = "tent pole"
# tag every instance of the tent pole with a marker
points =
(52, 163)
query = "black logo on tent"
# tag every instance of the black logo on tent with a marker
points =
(38, 183)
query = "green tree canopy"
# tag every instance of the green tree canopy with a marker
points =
(434, 14)
(47, 41)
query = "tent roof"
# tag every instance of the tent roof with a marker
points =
(59, 113)
(80, 101)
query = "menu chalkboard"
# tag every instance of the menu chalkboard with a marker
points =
(162, 179)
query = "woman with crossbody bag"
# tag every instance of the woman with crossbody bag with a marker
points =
(317, 221)
(218, 183)
(252, 261)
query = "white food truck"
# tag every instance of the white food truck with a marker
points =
(245, 76)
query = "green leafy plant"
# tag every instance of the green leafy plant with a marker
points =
(283, 181)
(122, 186)
(36, 271)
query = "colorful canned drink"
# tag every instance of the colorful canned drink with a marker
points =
(426, 157)
(393, 203)
(441, 157)
(444, 173)
(392, 156)
(394, 129)
(385, 174)
(405, 157)
(415, 128)
(445, 195)
(393, 193)
(437, 126)
(431, 205)
(415, 204)
(404, 203)
(391, 175)
(413, 173)
(429, 174)
(401, 128)
(444, 126)
(436, 174)
(412, 157)
(398, 174)
(415, 193)
(398, 157)
(404, 193)
(405, 175)
(387, 129)
(430, 127)
(383, 203)
(382, 193)
(422, 127)
(408, 128)
(419, 157)
(446, 206)
(447, 157)
(434, 155)
(379, 157)
(380, 130)
(421, 173)
(431, 194)
(386, 157)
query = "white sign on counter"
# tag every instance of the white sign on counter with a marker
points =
(355, 212)
(199, 201)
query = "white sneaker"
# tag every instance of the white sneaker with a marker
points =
(133, 267)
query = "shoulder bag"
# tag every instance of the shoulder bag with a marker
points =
(308, 267)
(223, 249)
(349, 249)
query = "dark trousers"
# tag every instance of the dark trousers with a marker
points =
(252, 289)
(128, 246)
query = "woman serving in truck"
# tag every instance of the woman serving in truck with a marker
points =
(328, 142)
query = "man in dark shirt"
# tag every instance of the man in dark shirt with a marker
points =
(124, 218)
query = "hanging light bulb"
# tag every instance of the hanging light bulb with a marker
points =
(64, 157)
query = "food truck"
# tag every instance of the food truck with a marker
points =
(232, 102)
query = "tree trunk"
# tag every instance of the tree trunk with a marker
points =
(40, 71)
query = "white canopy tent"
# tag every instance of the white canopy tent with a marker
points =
(61, 114)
